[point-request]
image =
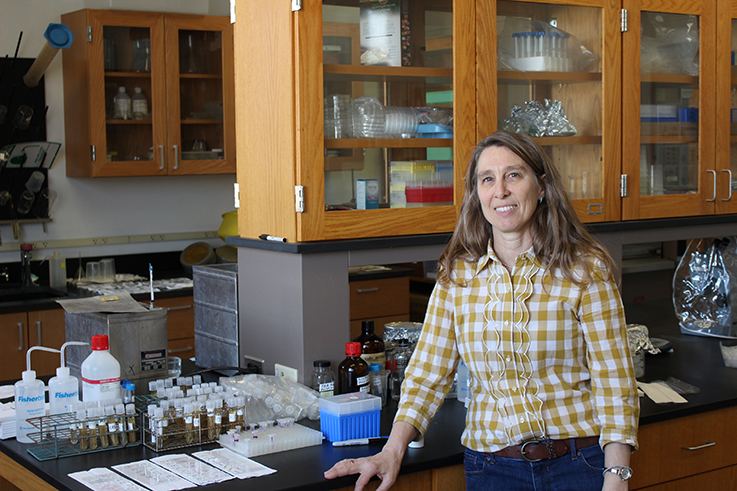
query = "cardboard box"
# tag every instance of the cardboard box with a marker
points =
(367, 194)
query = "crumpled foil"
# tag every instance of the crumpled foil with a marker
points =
(536, 119)
(639, 339)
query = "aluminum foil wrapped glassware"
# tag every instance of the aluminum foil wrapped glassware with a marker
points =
(705, 288)
(536, 119)
(639, 342)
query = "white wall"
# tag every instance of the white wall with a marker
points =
(108, 207)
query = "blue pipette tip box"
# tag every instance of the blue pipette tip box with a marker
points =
(350, 416)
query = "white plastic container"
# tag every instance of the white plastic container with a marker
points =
(139, 104)
(29, 403)
(64, 388)
(100, 372)
(122, 103)
(57, 270)
(30, 398)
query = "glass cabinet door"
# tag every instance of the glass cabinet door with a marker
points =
(668, 125)
(387, 104)
(555, 82)
(132, 103)
(726, 131)
(199, 85)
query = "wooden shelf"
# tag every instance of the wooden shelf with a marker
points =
(655, 139)
(663, 78)
(361, 73)
(568, 140)
(388, 142)
(211, 76)
(128, 74)
(552, 77)
(128, 121)
(202, 121)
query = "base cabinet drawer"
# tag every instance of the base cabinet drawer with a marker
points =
(718, 479)
(684, 447)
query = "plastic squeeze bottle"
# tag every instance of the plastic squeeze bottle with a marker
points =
(64, 388)
(100, 372)
(57, 271)
(30, 398)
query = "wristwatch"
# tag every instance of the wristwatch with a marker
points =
(622, 471)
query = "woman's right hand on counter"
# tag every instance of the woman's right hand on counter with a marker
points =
(384, 465)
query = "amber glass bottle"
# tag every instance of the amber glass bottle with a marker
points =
(353, 374)
(372, 346)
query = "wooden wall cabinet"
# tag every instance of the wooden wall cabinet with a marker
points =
(183, 65)
(25, 329)
(284, 155)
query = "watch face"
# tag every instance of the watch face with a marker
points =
(625, 473)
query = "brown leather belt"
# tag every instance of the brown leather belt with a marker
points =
(537, 450)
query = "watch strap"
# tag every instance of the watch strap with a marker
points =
(622, 471)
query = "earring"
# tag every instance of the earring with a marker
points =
(541, 200)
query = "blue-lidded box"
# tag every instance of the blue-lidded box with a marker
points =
(349, 416)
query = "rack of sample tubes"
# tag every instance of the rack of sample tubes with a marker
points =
(270, 437)
(188, 414)
(90, 427)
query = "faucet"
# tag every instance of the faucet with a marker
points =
(4, 274)
(26, 255)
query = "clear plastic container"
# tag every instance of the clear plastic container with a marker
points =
(323, 379)
(139, 104)
(122, 103)
(29, 403)
(100, 372)
(57, 270)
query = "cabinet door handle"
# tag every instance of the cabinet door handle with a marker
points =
(38, 329)
(176, 157)
(180, 307)
(20, 335)
(729, 185)
(163, 157)
(367, 290)
(180, 350)
(714, 176)
(705, 445)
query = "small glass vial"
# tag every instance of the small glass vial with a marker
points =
(323, 379)
(111, 426)
(152, 388)
(92, 415)
(82, 429)
(130, 422)
(161, 427)
(377, 384)
(240, 402)
(212, 430)
(402, 354)
(232, 411)
(75, 430)
(395, 383)
(120, 422)
(151, 415)
(189, 432)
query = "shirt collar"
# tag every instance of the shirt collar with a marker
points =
(490, 256)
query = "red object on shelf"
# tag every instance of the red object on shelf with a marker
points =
(422, 194)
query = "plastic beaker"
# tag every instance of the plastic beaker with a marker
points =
(25, 202)
(34, 183)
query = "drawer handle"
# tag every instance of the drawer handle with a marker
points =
(20, 335)
(367, 290)
(38, 328)
(705, 445)
(180, 350)
(180, 307)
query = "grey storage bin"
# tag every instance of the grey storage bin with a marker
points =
(216, 316)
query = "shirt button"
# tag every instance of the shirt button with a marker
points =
(522, 420)
(514, 389)
(509, 358)
(506, 323)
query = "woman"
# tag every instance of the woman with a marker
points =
(526, 299)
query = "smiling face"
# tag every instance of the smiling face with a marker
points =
(509, 193)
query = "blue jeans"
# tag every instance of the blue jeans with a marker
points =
(580, 470)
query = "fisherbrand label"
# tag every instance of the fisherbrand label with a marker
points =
(66, 395)
(30, 399)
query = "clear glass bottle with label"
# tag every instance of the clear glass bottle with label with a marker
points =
(353, 373)
(323, 379)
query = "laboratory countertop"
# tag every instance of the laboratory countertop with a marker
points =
(695, 360)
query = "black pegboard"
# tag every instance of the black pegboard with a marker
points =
(14, 94)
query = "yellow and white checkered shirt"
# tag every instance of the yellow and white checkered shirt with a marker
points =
(547, 359)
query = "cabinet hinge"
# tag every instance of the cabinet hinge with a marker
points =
(237, 195)
(296, 5)
(89, 34)
(623, 186)
(232, 11)
(92, 153)
(299, 199)
(624, 20)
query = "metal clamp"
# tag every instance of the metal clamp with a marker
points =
(523, 453)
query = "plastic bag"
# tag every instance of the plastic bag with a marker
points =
(269, 397)
(531, 46)
(705, 288)
(670, 43)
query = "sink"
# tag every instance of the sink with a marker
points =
(14, 292)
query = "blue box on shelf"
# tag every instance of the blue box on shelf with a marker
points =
(432, 130)
(349, 416)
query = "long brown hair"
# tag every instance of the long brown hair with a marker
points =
(559, 239)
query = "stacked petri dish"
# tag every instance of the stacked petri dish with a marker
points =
(338, 116)
(369, 120)
(401, 122)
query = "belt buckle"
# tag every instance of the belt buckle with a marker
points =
(524, 454)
